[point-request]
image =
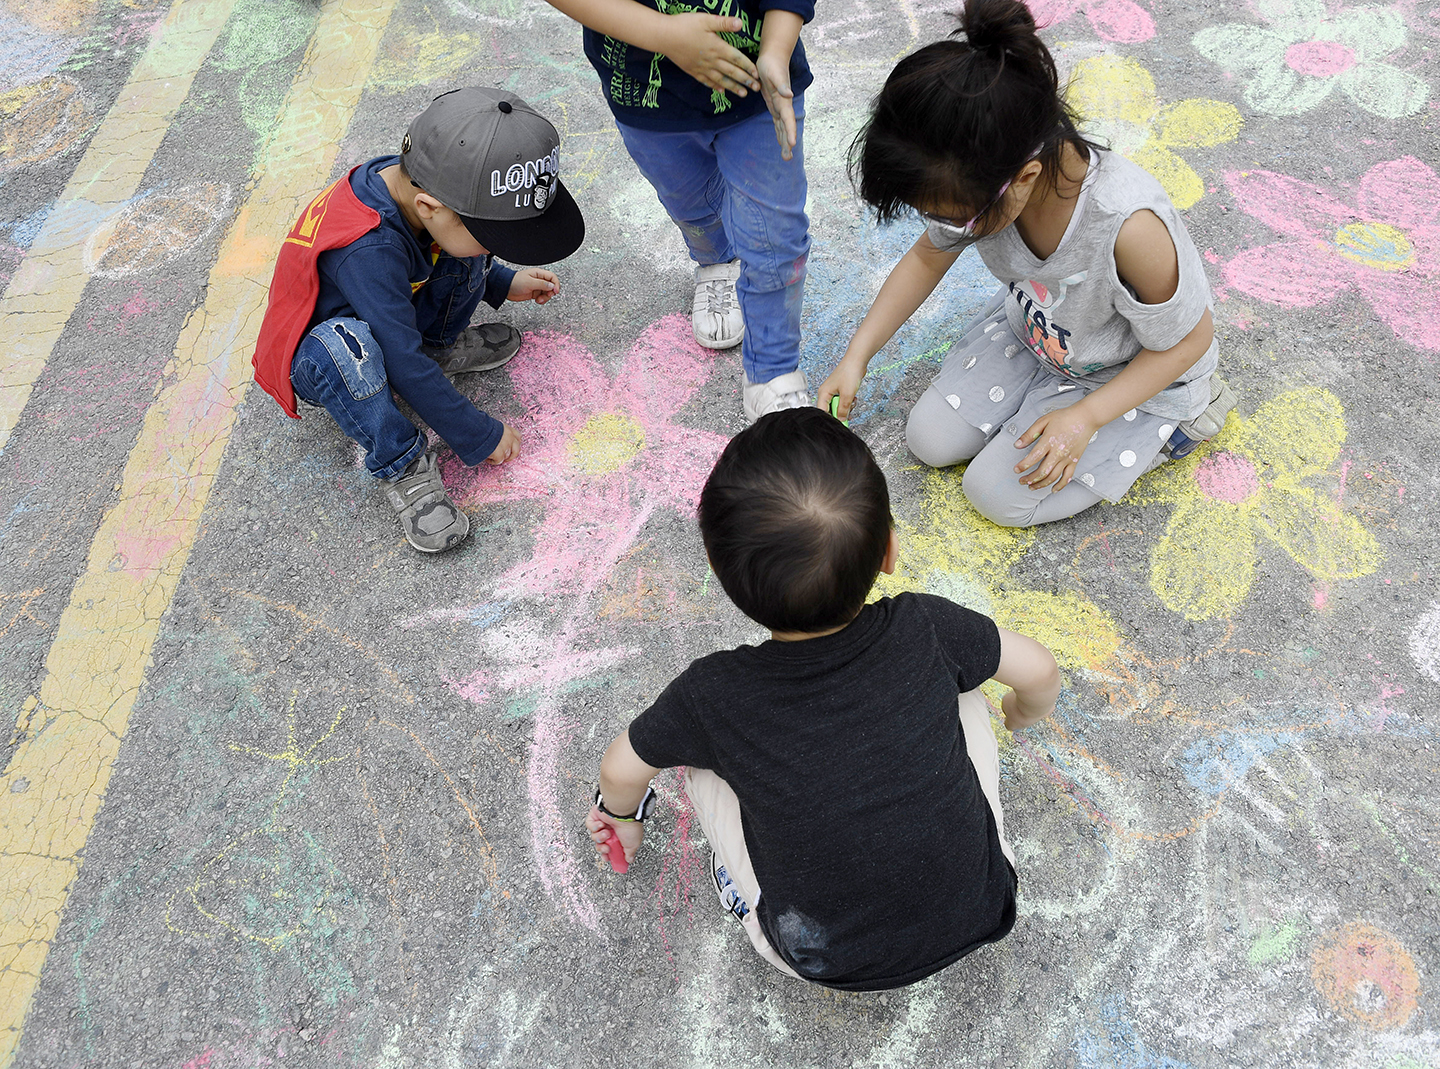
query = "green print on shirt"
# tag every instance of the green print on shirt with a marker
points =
(630, 92)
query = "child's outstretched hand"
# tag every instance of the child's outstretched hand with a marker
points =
(533, 284)
(608, 835)
(693, 43)
(844, 383)
(508, 449)
(774, 71)
(1060, 437)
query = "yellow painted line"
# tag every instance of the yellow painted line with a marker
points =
(54, 785)
(46, 287)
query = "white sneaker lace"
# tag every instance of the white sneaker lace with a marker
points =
(719, 295)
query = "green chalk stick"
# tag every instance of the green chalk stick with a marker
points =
(835, 409)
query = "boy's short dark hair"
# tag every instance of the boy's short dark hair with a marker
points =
(796, 520)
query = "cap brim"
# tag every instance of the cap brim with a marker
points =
(545, 239)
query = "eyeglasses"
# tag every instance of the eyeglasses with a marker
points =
(947, 237)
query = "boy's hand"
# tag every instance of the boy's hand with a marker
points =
(533, 284)
(508, 449)
(628, 833)
(1060, 438)
(774, 71)
(844, 383)
(693, 43)
(1017, 719)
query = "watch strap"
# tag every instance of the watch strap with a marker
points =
(647, 803)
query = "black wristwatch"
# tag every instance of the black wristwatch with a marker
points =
(647, 803)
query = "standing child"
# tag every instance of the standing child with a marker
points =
(728, 172)
(1103, 291)
(376, 283)
(845, 772)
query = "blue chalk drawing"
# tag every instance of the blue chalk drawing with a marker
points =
(1214, 764)
(844, 278)
(1119, 1046)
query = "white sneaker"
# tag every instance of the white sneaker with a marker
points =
(783, 391)
(715, 315)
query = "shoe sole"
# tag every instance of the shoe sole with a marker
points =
(719, 344)
(440, 549)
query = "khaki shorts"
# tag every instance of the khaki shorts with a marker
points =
(718, 811)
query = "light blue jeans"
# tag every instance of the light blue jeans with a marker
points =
(732, 195)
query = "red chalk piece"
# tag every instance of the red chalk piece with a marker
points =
(617, 854)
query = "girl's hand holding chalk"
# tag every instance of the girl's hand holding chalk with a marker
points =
(837, 392)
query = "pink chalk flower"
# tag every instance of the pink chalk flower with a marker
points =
(605, 453)
(1387, 246)
(1306, 53)
(1112, 20)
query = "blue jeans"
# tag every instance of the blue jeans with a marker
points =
(339, 366)
(731, 194)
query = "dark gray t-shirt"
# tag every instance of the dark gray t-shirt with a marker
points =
(876, 853)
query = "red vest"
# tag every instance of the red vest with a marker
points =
(333, 219)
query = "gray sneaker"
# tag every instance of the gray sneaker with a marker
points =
(1206, 425)
(428, 517)
(480, 347)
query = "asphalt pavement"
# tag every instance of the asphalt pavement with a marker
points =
(281, 790)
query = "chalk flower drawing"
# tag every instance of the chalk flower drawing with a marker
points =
(1112, 20)
(1306, 53)
(1366, 975)
(1387, 245)
(606, 455)
(1116, 96)
(1255, 479)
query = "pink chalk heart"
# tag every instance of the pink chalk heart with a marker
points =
(1227, 477)
(1040, 290)
(1320, 59)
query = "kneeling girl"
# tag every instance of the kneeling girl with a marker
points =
(1097, 355)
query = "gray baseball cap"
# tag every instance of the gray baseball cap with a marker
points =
(495, 161)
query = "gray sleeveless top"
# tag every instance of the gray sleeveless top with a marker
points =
(1075, 314)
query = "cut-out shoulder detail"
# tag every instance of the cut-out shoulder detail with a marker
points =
(1145, 258)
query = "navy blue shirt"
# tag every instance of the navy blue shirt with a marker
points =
(647, 91)
(375, 279)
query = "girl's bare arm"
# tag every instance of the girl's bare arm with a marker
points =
(912, 280)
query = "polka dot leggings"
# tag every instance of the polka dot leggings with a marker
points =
(941, 438)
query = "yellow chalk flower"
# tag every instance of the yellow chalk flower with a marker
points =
(1116, 98)
(955, 552)
(1255, 479)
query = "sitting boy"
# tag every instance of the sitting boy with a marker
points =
(845, 772)
(375, 285)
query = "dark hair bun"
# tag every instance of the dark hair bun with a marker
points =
(958, 118)
(998, 26)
